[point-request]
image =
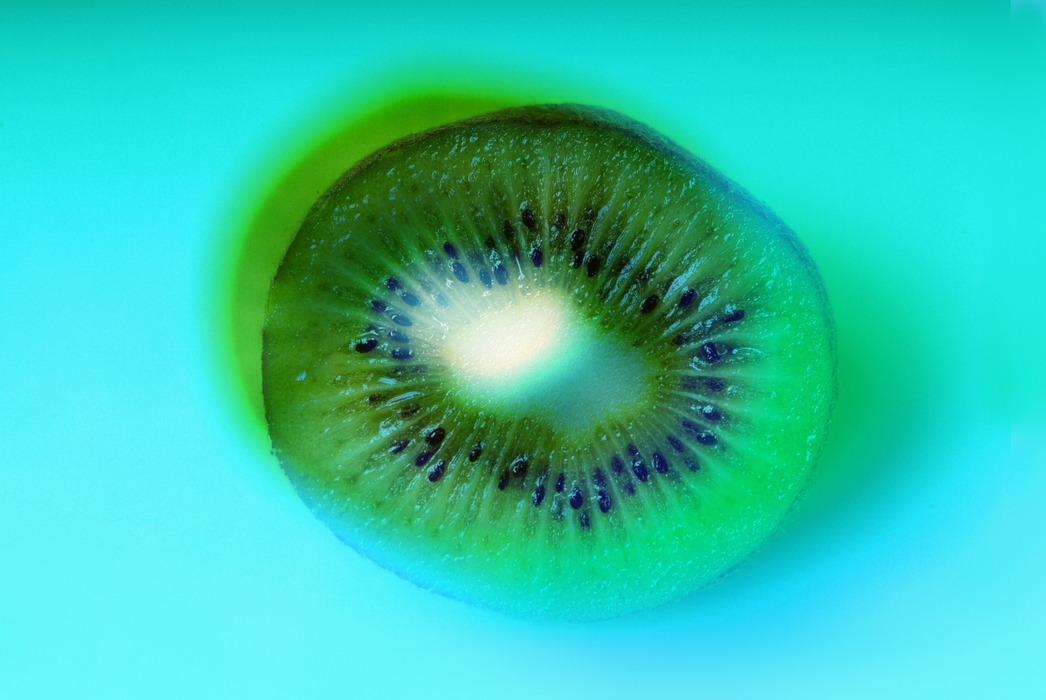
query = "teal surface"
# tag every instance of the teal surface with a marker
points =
(149, 549)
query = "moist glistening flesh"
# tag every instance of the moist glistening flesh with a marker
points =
(548, 362)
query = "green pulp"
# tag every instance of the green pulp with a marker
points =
(391, 261)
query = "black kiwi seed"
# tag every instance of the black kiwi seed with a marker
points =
(660, 463)
(366, 345)
(734, 316)
(599, 479)
(665, 396)
(577, 498)
(708, 350)
(577, 239)
(519, 466)
(459, 271)
(500, 274)
(592, 265)
(713, 384)
(436, 436)
(436, 471)
(640, 470)
(527, 217)
(702, 436)
(536, 257)
(639, 467)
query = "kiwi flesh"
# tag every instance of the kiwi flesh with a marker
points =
(548, 362)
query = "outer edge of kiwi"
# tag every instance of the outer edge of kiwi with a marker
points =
(600, 118)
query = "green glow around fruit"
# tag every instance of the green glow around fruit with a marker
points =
(547, 362)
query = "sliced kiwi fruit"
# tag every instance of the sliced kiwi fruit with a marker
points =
(546, 361)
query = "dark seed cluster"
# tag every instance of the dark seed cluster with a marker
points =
(619, 472)
(437, 454)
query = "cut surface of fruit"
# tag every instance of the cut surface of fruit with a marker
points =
(547, 362)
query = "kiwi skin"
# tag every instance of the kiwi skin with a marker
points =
(476, 574)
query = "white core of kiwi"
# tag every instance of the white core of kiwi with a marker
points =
(537, 358)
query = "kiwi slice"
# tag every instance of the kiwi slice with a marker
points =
(546, 361)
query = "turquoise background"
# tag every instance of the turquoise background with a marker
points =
(148, 549)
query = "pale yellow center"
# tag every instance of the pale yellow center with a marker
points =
(507, 343)
(536, 358)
